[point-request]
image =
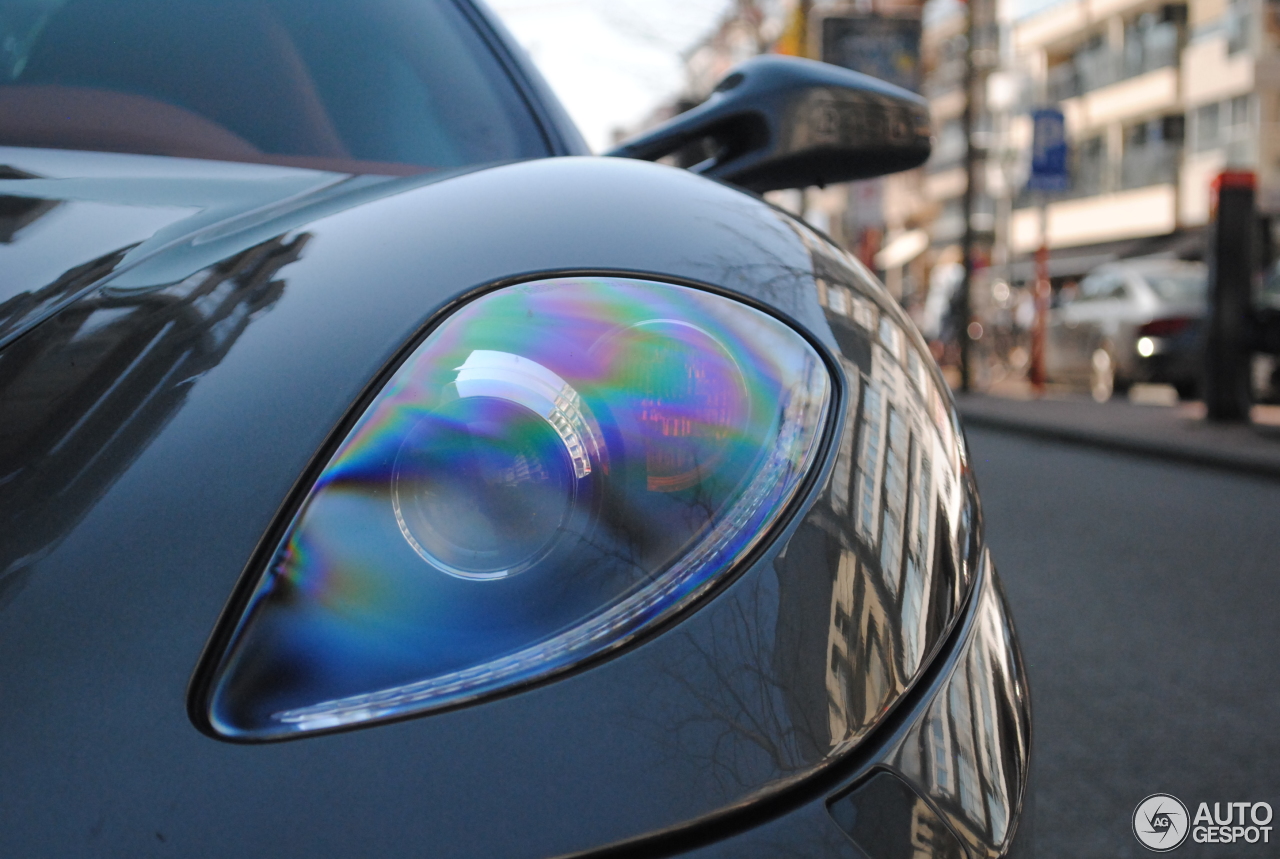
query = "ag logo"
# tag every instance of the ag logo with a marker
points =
(1160, 822)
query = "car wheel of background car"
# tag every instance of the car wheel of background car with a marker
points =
(1102, 375)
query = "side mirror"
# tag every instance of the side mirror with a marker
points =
(782, 122)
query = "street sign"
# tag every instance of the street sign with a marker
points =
(1049, 170)
(882, 46)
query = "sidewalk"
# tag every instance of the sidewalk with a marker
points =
(1177, 432)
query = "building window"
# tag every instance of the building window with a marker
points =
(1239, 26)
(1227, 124)
(1151, 41)
(1241, 115)
(1151, 152)
(869, 467)
(1206, 128)
(1094, 64)
(1089, 175)
(1237, 130)
(1063, 83)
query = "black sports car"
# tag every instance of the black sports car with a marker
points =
(380, 476)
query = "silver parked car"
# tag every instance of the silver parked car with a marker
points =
(1131, 321)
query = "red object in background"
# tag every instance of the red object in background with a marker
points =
(1164, 327)
(868, 246)
(1230, 179)
(1042, 315)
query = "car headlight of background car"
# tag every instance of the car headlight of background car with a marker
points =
(556, 466)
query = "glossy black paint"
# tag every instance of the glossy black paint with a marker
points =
(934, 747)
(784, 122)
(98, 216)
(168, 415)
(886, 817)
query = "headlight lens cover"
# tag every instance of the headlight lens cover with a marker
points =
(556, 466)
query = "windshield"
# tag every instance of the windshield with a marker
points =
(374, 86)
(1180, 287)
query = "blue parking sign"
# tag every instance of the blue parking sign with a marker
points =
(1049, 171)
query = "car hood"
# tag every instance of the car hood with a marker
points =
(71, 220)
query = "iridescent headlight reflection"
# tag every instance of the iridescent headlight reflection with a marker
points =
(556, 466)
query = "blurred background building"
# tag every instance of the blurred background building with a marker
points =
(1158, 99)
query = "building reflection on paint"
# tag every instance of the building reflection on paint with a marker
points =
(889, 556)
(897, 481)
(98, 380)
(901, 482)
(17, 213)
(970, 750)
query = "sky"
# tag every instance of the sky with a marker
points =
(610, 61)
(1027, 8)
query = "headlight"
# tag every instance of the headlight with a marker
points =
(557, 466)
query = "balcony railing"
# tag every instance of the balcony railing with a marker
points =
(1149, 49)
(1084, 183)
(1088, 179)
(1153, 164)
(1145, 50)
(1062, 82)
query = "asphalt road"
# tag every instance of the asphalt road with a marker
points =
(1147, 598)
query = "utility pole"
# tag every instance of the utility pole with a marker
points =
(965, 302)
(1041, 292)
